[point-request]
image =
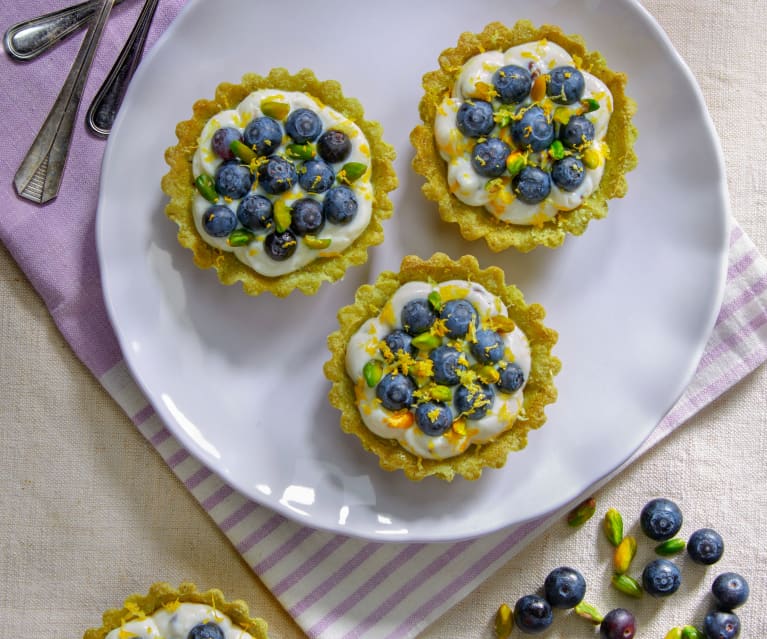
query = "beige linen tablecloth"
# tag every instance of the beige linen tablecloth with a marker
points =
(90, 513)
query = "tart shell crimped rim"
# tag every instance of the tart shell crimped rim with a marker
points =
(178, 185)
(475, 222)
(163, 595)
(539, 391)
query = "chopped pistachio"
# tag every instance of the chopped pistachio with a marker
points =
(240, 237)
(351, 171)
(588, 612)
(538, 90)
(590, 104)
(691, 632)
(440, 393)
(624, 554)
(300, 151)
(282, 216)
(435, 300)
(582, 512)
(426, 341)
(515, 163)
(275, 108)
(206, 188)
(613, 526)
(317, 242)
(670, 547)
(674, 633)
(627, 585)
(372, 371)
(504, 619)
(242, 151)
(557, 150)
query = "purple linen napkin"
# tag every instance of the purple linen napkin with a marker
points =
(332, 585)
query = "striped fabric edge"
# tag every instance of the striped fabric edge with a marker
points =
(339, 587)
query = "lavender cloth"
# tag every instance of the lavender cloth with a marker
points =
(333, 586)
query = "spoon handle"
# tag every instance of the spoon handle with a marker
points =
(39, 176)
(28, 39)
(103, 110)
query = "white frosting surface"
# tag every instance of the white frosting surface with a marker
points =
(206, 161)
(176, 624)
(455, 148)
(364, 345)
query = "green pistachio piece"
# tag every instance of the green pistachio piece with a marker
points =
(494, 185)
(504, 620)
(582, 512)
(351, 171)
(206, 188)
(240, 237)
(426, 341)
(435, 300)
(274, 108)
(562, 116)
(691, 632)
(624, 554)
(242, 151)
(674, 633)
(300, 151)
(590, 104)
(627, 585)
(557, 150)
(317, 242)
(282, 216)
(488, 374)
(503, 117)
(613, 526)
(372, 371)
(515, 163)
(670, 547)
(441, 393)
(588, 612)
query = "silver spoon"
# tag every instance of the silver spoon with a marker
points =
(39, 176)
(28, 39)
(103, 110)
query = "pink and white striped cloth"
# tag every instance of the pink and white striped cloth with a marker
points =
(332, 585)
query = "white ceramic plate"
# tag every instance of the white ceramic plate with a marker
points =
(239, 380)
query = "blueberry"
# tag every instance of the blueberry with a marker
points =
(568, 173)
(730, 590)
(619, 623)
(489, 157)
(705, 546)
(660, 519)
(447, 363)
(661, 578)
(395, 391)
(263, 135)
(511, 378)
(306, 217)
(221, 140)
(277, 175)
(255, 212)
(458, 315)
(399, 341)
(303, 125)
(475, 118)
(207, 630)
(488, 348)
(721, 625)
(340, 205)
(566, 85)
(577, 133)
(433, 418)
(334, 146)
(564, 587)
(219, 220)
(280, 246)
(512, 83)
(532, 614)
(474, 401)
(534, 131)
(315, 176)
(531, 185)
(417, 316)
(233, 179)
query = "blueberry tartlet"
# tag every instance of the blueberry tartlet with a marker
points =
(183, 613)
(279, 183)
(526, 135)
(442, 368)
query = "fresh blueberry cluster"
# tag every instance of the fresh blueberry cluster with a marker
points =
(444, 365)
(532, 129)
(275, 156)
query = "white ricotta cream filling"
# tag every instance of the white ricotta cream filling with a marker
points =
(365, 345)
(341, 236)
(456, 148)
